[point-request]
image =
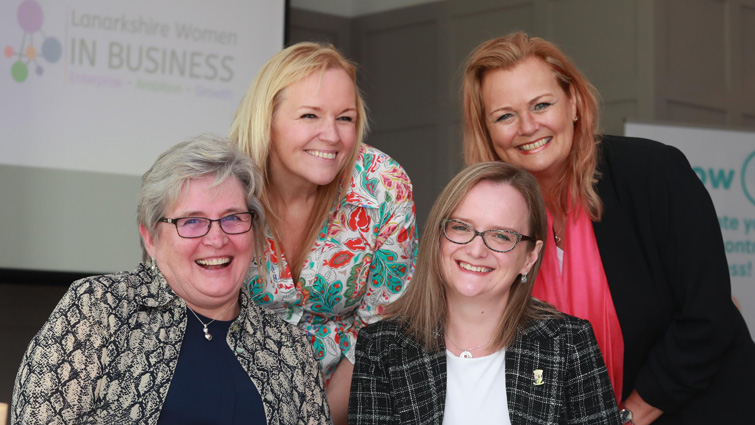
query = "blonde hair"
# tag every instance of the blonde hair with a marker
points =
(423, 308)
(505, 53)
(252, 124)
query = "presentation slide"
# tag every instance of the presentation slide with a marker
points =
(724, 160)
(91, 92)
(105, 86)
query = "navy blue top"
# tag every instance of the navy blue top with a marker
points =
(209, 385)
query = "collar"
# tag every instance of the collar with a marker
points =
(152, 290)
(364, 181)
(540, 329)
(248, 310)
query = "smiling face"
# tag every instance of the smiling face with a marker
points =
(207, 272)
(529, 117)
(473, 271)
(313, 131)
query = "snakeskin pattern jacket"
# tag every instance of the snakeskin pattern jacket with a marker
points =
(108, 352)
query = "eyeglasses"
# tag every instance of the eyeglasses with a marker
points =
(196, 227)
(497, 240)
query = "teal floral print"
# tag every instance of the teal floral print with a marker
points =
(362, 261)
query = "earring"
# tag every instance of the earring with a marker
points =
(524, 278)
(576, 118)
(154, 265)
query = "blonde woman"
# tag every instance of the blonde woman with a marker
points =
(468, 344)
(340, 231)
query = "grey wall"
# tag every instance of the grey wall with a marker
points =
(684, 61)
(58, 221)
(705, 62)
(406, 77)
(67, 221)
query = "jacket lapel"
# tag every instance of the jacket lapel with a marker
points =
(533, 375)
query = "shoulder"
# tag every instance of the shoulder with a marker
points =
(275, 329)
(645, 175)
(637, 157)
(269, 319)
(554, 342)
(110, 290)
(377, 178)
(562, 326)
(384, 333)
(389, 343)
(373, 161)
(386, 328)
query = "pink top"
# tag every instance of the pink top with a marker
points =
(581, 289)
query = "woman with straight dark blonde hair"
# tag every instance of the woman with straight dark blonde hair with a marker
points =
(467, 343)
(340, 229)
(633, 240)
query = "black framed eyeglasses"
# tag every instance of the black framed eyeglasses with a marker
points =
(497, 240)
(196, 227)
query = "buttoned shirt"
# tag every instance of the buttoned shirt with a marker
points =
(361, 261)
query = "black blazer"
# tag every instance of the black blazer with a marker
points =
(397, 381)
(687, 349)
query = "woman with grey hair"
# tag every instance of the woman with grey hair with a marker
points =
(176, 340)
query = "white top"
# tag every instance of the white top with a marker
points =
(476, 390)
(560, 253)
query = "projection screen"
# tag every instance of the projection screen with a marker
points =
(91, 93)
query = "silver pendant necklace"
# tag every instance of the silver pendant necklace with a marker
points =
(556, 233)
(207, 334)
(466, 353)
(558, 238)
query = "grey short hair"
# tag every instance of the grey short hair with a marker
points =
(207, 154)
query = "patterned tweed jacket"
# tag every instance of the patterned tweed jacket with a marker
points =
(397, 381)
(108, 352)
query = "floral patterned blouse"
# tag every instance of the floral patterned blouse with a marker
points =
(360, 262)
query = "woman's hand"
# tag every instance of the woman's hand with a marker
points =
(338, 392)
(642, 412)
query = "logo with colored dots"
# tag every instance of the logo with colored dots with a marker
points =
(30, 19)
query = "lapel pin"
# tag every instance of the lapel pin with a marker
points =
(537, 374)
